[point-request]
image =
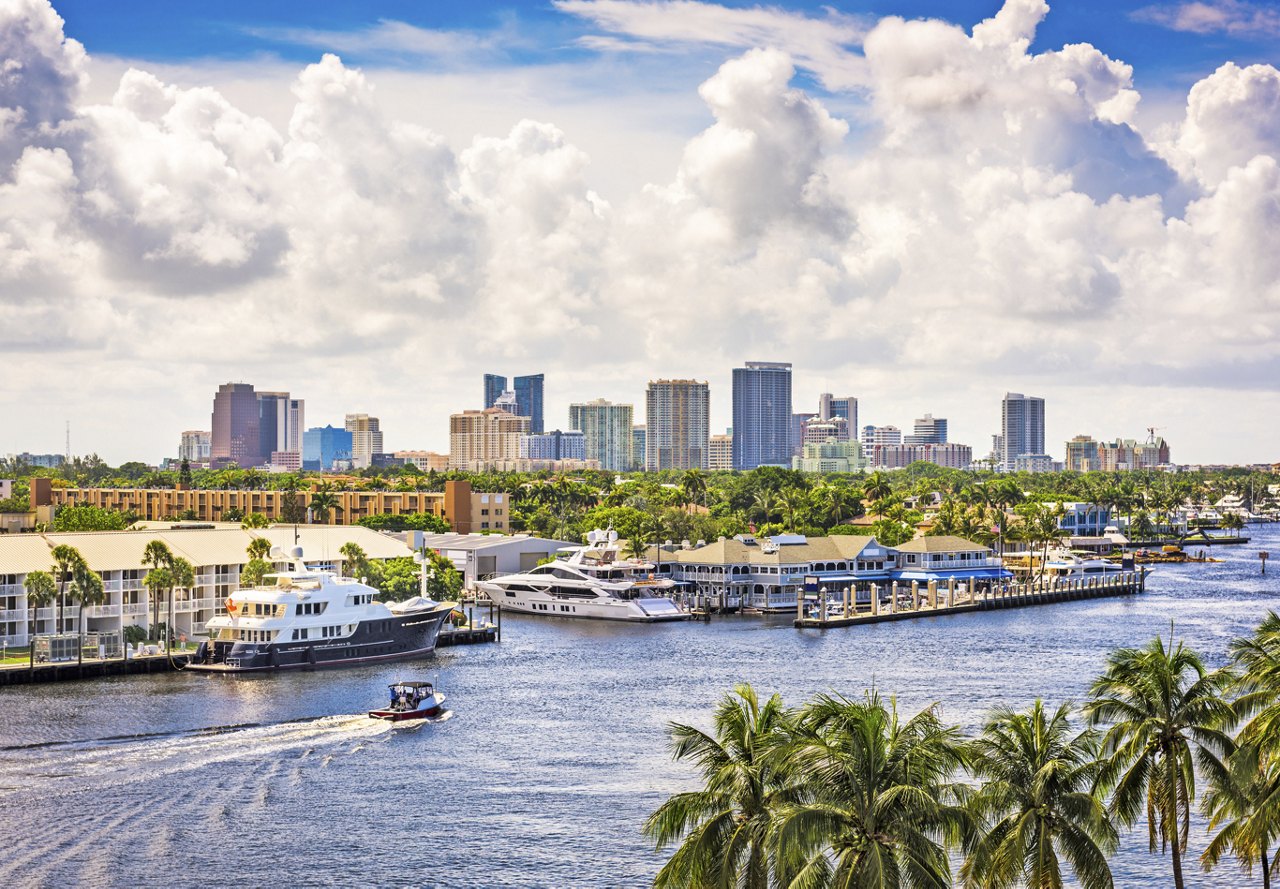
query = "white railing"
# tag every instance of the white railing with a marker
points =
(102, 611)
(14, 614)
(12, 589)
(132, 609)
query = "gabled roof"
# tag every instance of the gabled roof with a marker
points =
(941, 544)
(730, 552)
(23, 553)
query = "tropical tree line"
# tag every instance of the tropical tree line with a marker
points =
(849, 792)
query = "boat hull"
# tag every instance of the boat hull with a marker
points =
(403, 637)
(432, 706)
(655, 610)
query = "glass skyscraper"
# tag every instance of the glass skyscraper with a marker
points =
(1021, 427)
(529, 398)
(762, 415)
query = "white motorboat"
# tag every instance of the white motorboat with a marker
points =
(593, 581)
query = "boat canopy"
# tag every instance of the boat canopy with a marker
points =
(958, 574)
(413, 684)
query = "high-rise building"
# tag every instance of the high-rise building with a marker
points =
(607, 432)
(494, 386)
(885, 436)
(195, 446)
(554, 445)
(831, 455)
(929, 430)
(677, 417)
(297, 419)
(529, 398)
(322, 447)
(366, 439)
(236, 435)
(799, 422)
(762, 414)
(1022, 428)
(639, 444)
(1082, 454)
(478, 439)
(830, 407)
(720, 452)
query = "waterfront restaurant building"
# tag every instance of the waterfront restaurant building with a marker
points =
(768, 573)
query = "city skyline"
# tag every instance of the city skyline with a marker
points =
(1107, 246)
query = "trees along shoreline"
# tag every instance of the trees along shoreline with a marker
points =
(845, 792)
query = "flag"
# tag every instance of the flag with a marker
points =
(995, 529)
(232, 607)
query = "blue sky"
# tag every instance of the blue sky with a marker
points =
(166, 31)
(920, 214)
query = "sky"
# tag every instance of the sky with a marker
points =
(923, 204)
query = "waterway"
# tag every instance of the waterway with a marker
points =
(553, 754)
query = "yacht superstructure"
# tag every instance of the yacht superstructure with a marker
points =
(594, 581)
(311, 618)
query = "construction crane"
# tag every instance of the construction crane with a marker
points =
(1151, 433)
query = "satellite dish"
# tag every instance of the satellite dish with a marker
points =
(613, 536)
(277, 553)
(296, 552)
(591, 537)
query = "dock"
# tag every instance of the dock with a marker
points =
(92, 668)
(905, 602)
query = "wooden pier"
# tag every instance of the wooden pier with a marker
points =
(910, 601)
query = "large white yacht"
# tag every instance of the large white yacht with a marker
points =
(594, 581)
(311, 618)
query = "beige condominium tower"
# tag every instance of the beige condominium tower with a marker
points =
(676, 417)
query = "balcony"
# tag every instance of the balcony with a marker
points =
(15, 614)
(102, 611)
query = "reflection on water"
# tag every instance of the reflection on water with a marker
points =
(552, 756)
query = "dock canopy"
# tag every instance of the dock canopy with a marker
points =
(958, 574)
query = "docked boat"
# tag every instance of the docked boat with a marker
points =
(1074, 567)
(307, 618)
(592, 581)
(411, 700)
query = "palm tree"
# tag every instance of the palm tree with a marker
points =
(183, 574)
(156, 581)
(356, 558)
(88, 589)
(1037, 786)
(765, 504)
(323, 502)
(878, 806)
(1241, 804)
(694, 485)
(158, 555)
(723, 829)
(877, 486)
(793, 501)
(66, 561)
(41, 589)
(258, 548)
(254, 520)
(1164, 710)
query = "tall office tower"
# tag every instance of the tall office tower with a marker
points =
(273, 421)
(830, 407)
(195, 446)
(322, 446)
(639, 442)
(606, 431)
(235, 434)
(297, 424)
(366, 439)
(479, 439)
(529, 398)
(929, 430)
(677, 424)
(762, 414)
(494, 386)
(1022, 428)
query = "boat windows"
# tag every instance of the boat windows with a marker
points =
(311, 607)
